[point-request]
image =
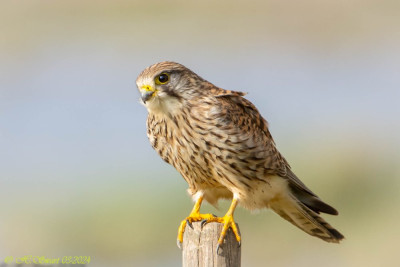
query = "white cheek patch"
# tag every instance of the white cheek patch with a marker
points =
(163, 103)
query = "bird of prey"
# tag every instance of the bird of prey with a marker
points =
(221, 145)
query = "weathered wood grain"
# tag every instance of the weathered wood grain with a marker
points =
(199, 248)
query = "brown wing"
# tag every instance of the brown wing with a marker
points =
(256, 141)
(241, 114)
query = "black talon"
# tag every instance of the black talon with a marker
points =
(189, 223)
(203, 222)
(214, 215)
(240, 243)
(218, 246)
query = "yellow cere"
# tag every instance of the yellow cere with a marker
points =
(147, 88)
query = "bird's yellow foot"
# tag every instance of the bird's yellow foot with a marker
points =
(193, 217)
(228, 222)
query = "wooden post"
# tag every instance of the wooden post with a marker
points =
(199, 248)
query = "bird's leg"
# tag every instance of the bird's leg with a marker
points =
(228, 221)
(194, 216)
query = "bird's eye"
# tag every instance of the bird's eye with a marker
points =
(163, 78)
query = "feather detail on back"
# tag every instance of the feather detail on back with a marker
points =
(218, 92)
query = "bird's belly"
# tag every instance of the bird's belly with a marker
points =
(262, 194)
(210, 170)
(196, 167)
(210, 165)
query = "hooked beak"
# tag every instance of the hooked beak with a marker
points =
(147, 92)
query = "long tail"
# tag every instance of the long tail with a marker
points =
(299, 214)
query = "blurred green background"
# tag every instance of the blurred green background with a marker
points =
(78, 176)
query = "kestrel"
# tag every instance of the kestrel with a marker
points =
(221, 145)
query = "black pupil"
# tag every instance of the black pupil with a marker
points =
(163, 78)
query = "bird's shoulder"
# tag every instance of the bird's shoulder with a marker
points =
(237, 110)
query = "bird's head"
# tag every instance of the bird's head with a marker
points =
(167, 85)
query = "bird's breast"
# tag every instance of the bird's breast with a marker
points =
(180, 145)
